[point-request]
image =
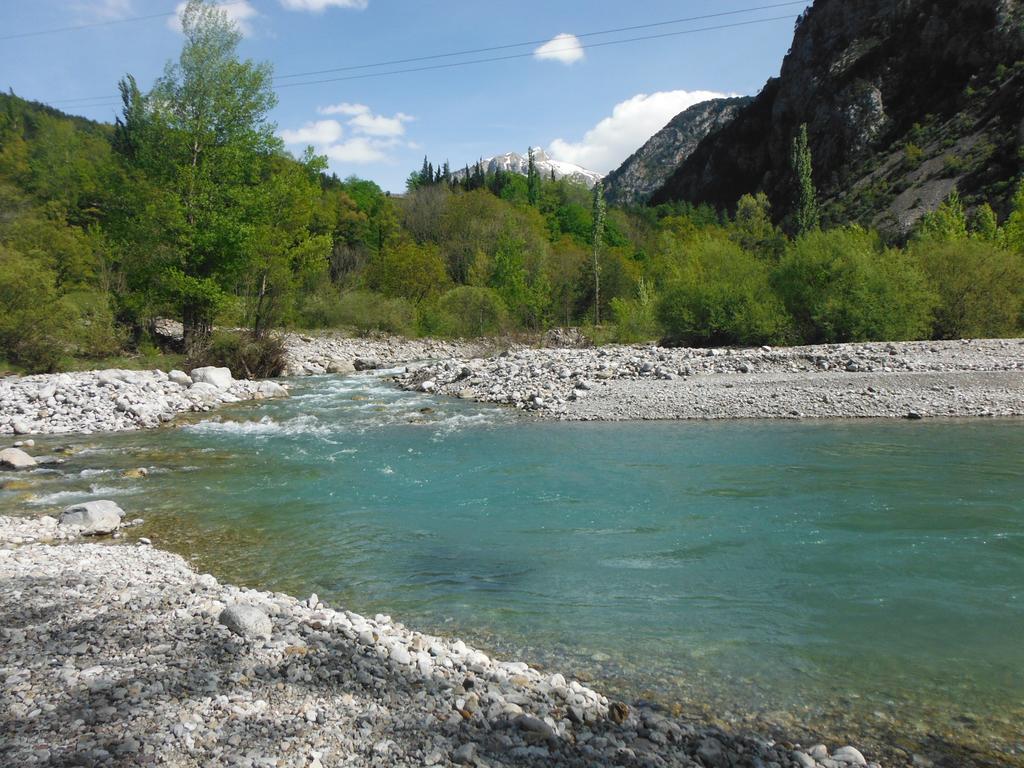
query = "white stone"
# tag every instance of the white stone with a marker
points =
(93, 517)
(218, 377)
(15, 458)
(180, 377)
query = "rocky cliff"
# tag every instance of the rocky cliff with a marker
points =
(905, 100)
(649, 167)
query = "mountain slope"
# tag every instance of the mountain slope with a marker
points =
(904, 102)
(650, 166)
(513, 162)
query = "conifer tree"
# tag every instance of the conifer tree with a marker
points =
(808, 217)
(532, 179)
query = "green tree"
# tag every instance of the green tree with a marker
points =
(842, 285)
(808, 217)
(980, 286)
(596, 241)
(202, 136)
(532, 179)
(722, 296)
(946, 223)
(409, 271)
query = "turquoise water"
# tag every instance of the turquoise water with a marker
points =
(854, 581)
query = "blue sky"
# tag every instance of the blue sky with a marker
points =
(591, 106)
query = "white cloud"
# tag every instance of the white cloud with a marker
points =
(361, 150)
(631, 123)
(364, 121)
(317, 6)
(239, 11)
(376, 139)
(319, 133)
(565, 48)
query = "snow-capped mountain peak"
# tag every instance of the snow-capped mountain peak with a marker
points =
(513, 162)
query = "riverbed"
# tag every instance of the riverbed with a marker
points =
(857, 582)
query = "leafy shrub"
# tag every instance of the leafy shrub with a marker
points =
(407, 271)
(248, 357)
(93, 333)
(842, 285)
(34, 324)
(635, 318)
(980, 287)
(468, 312)
(724, 298)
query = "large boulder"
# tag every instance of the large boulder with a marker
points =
(15, 458)
(93, 517)
(267, 389)
(246, 621)
(218, 377)
(341, 366)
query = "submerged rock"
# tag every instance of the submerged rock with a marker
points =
(93, 517)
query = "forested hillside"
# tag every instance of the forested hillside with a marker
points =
(105, 228)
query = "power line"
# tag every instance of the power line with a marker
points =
(483, 50)
(104, 101)
(531, 53)
(108, 22)
(539, 42)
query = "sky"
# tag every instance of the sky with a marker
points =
(557, 86)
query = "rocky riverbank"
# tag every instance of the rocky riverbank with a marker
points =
(117, 400)
(876, 380)
(331, 353)
(121, 655)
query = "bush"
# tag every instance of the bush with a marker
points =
(841, 285)
(93, 333)
(980, 287)
(468, 312)
(247, 357)
(635, 318)
(34, 323)
(367, 311)
(724, 298)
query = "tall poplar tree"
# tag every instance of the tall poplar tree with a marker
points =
(808, 217)
(597, 239)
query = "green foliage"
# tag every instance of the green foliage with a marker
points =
(808, 217)
(364, 311)
(202, 138)
(947, 222)
(408, 271)
(33, 323)
(635, 318)
(469, 312)
(841, 285)
(723, 296)
(980, 286)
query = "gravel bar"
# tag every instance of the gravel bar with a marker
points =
(119, 654)
(873, 380)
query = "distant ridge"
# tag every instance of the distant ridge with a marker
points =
(634, 181)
